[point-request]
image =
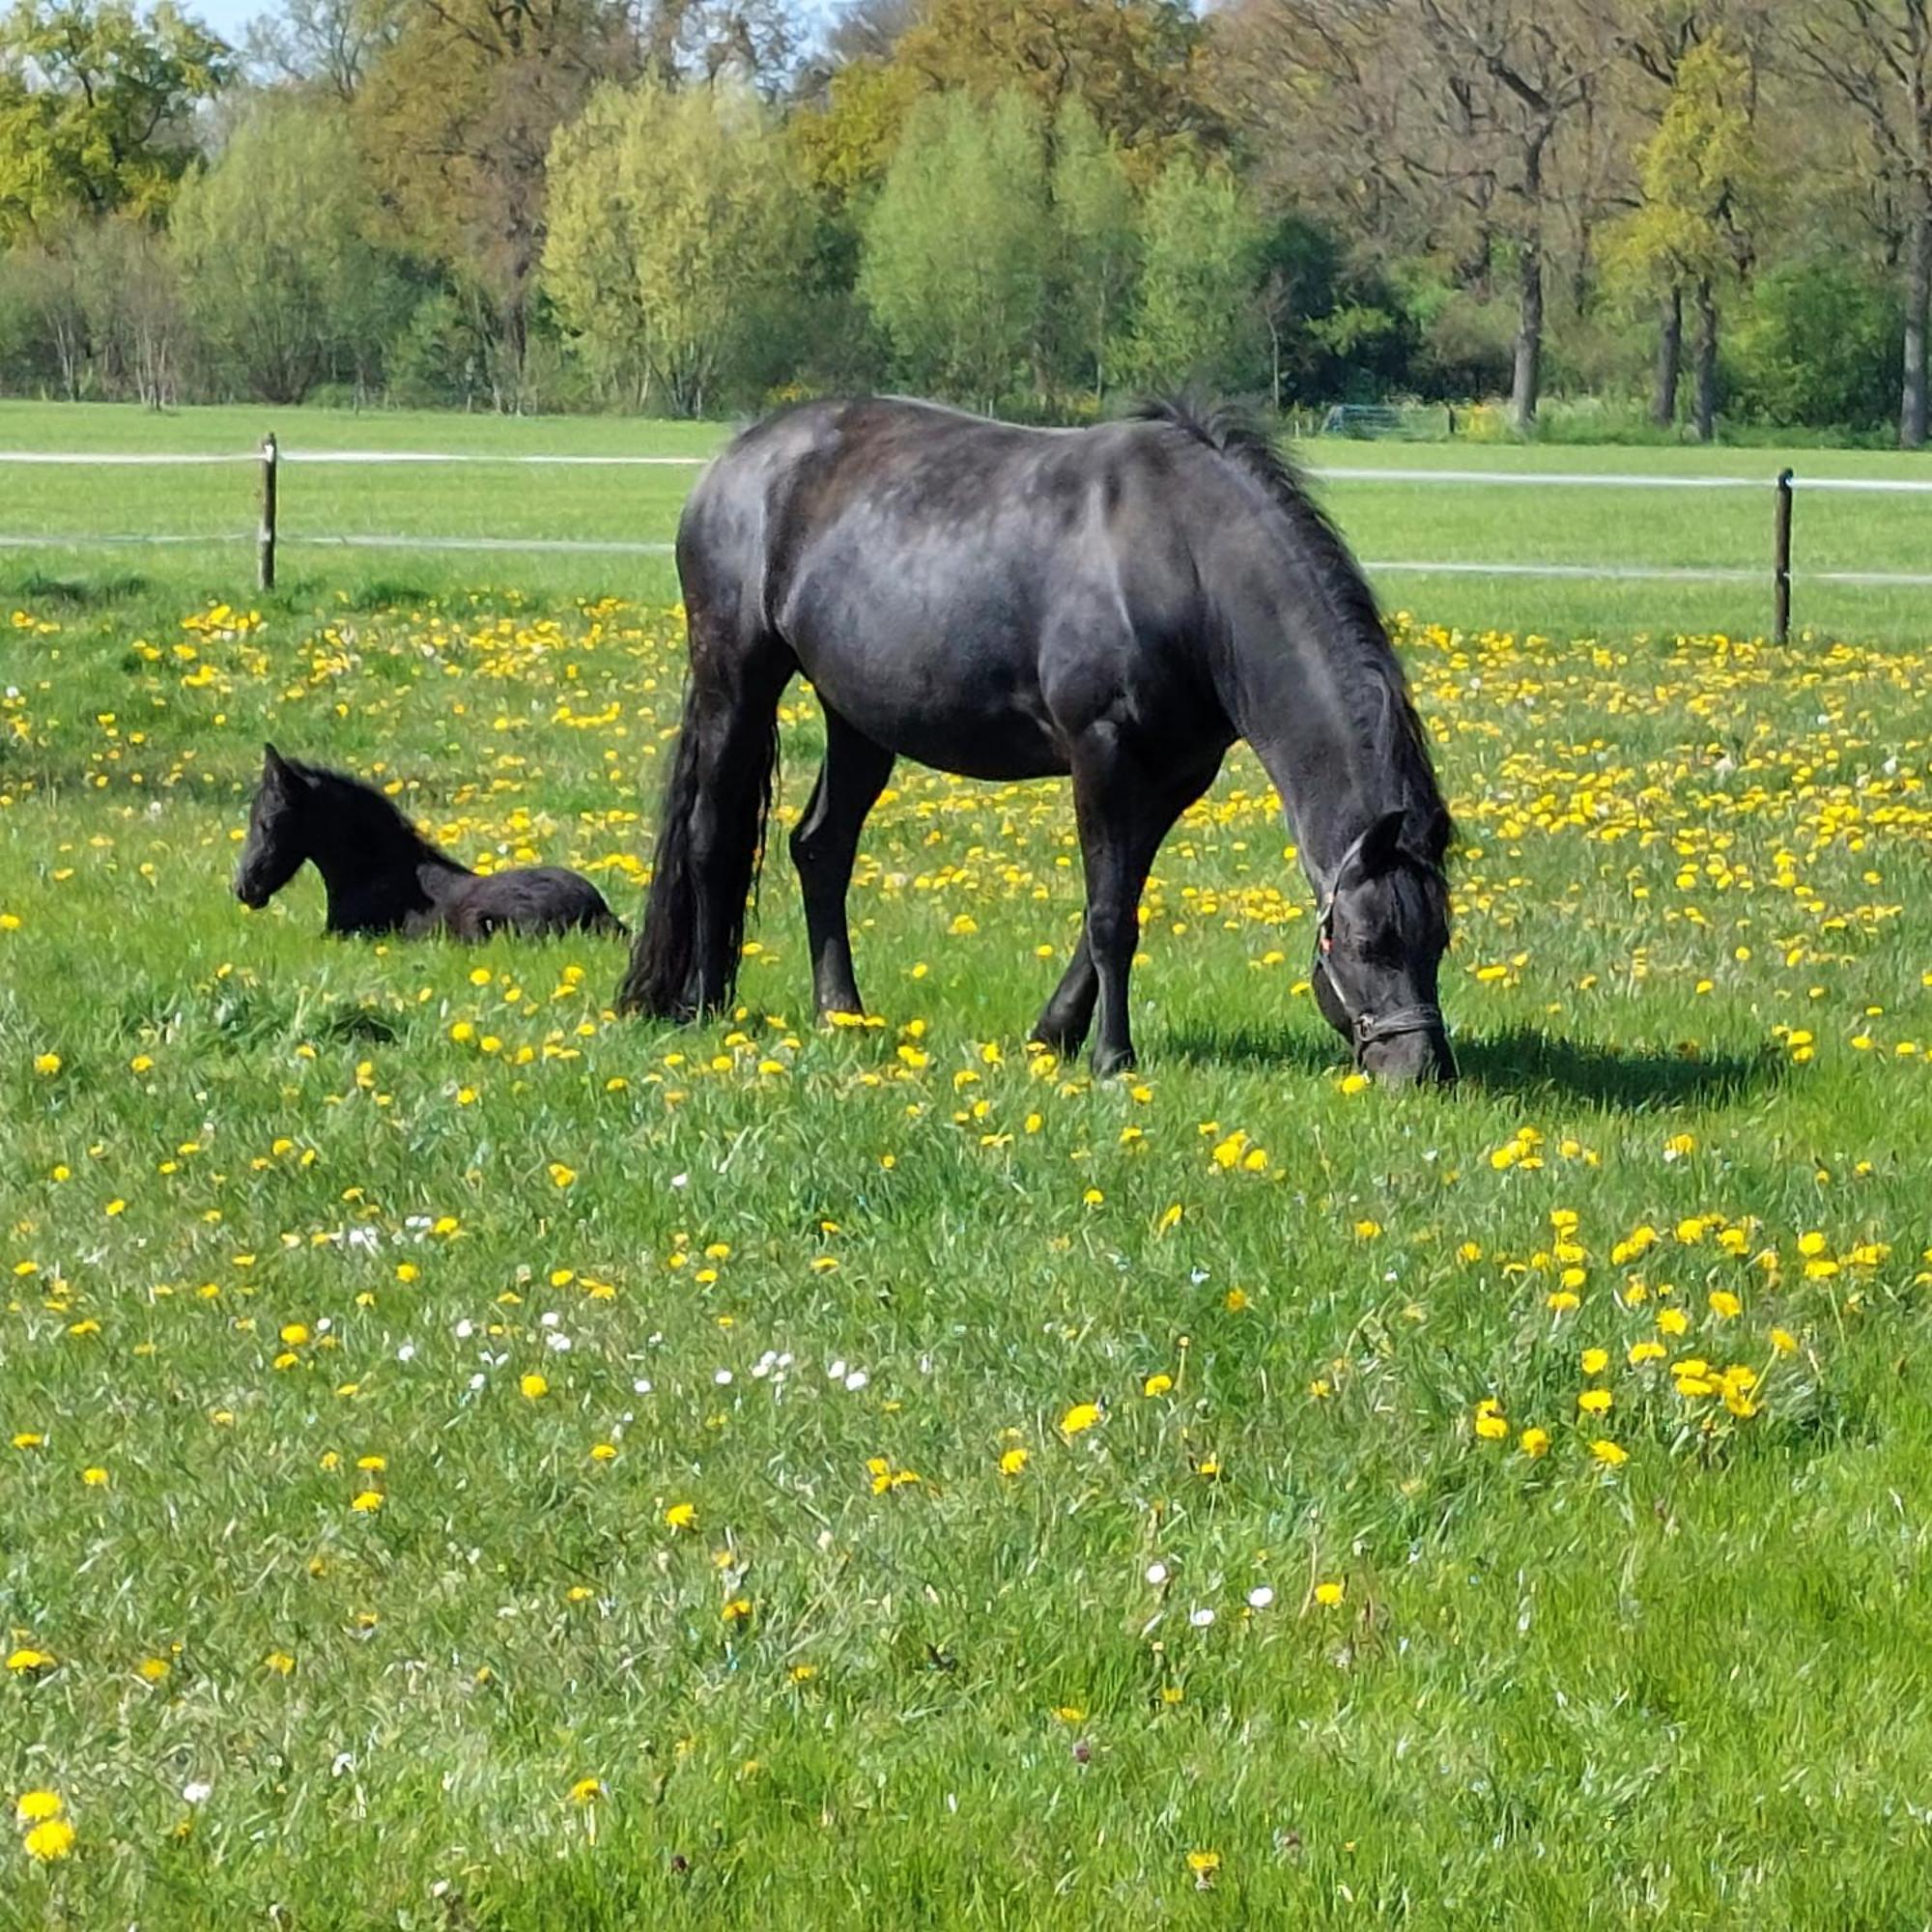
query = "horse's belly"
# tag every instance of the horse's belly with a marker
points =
(981, 721)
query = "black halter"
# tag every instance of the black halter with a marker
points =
(1366, 1028)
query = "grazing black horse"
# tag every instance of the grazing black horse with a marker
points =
(1121, 603)
(382, 875)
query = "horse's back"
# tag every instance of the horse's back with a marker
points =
(961, 590)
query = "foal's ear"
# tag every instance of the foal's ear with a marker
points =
(276, 767)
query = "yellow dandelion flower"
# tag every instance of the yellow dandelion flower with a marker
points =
(682, 1515)
(1331, 1593)
(533, 1386)
(36, 1808)
(1080, 1418)
(49, 1841)
(1609, 1453)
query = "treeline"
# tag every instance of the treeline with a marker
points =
(1680, 207)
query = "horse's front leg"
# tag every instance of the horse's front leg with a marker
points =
(1126, 805)
(823, 848)
(1066, 1017)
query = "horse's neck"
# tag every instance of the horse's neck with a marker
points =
(1305, 726)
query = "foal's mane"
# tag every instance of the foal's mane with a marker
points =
(1385, 709)
(374, 810)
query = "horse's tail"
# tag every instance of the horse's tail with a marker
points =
(733, 792)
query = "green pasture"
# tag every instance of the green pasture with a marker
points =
(1397, 523)
(471, 1461)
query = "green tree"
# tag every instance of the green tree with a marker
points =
(97, 108)
(279, 278)
(1872, 62)
(678, 224)
(456, 116)
(1707, 188)
(1097, 250)
(1135, 63)
(1200, 246)
(1819, 344)
(954, 260)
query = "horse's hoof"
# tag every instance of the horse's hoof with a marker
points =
(1065, 1041)
(1110, 1061)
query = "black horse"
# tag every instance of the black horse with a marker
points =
(1121, 603)
(382, 875)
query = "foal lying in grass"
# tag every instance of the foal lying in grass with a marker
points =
(382, 875)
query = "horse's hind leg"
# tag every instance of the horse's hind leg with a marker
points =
(1126, 805)
(823, 847)
(711, 824)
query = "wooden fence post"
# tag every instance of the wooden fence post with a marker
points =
(264, 556)
(1781, 561)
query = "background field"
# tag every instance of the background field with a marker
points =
(1397, 523)
(1170, 1500)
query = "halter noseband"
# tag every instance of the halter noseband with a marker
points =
(1365, 1028)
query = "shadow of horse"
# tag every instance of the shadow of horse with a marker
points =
(1523, 1060)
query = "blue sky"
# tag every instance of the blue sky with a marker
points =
(226, 17)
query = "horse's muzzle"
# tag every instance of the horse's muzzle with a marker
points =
(251, 898)
(1407, 1056)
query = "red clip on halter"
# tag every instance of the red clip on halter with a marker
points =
(1366, 1028)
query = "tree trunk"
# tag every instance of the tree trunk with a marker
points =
(1912, 407)
(1706, 406)
(1527, 378)
(1670, 359)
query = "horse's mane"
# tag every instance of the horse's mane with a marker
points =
(373, 810)
(1386, 712)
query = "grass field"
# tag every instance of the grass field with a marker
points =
(1394, 523)
(470, 1461)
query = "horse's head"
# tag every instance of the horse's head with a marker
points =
(278, 841)
(1383, 928)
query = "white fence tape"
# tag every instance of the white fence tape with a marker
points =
(1324, 472)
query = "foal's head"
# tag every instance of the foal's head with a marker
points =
(1383, 928)
(279, 829)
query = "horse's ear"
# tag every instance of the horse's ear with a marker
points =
(1437, 834)
(274, 764)
(1376, 850)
